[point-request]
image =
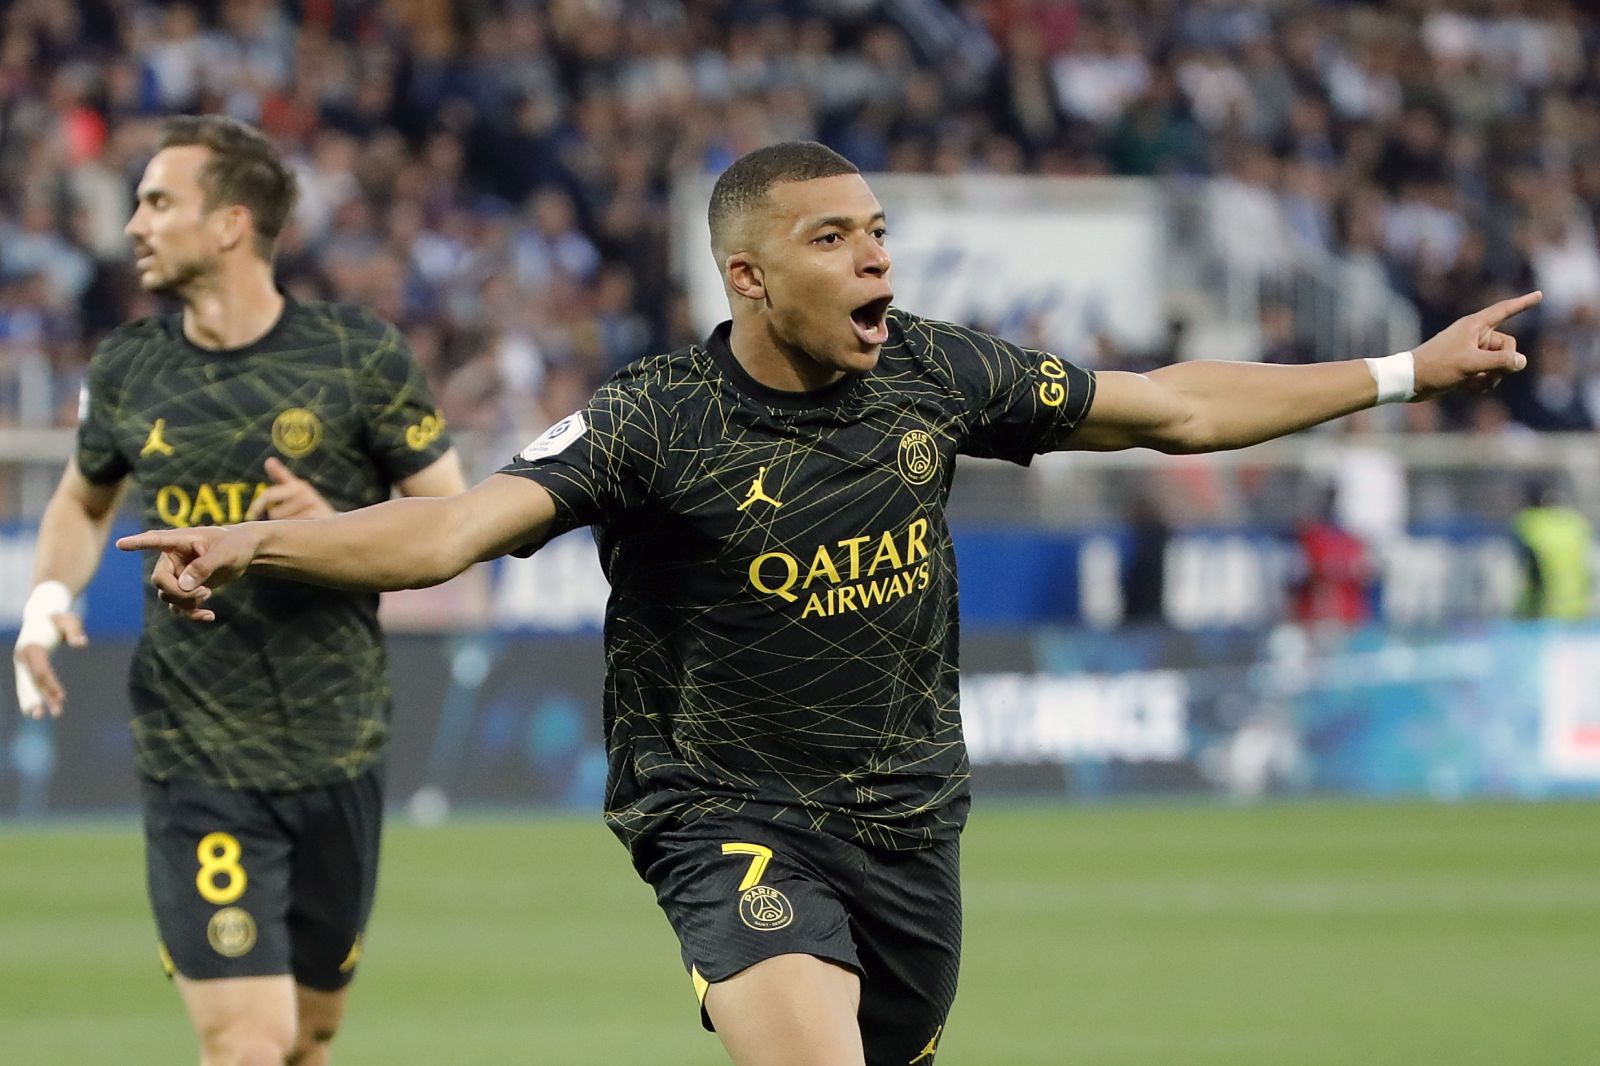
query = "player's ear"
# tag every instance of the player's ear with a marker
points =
(233, 226)
(745, 276)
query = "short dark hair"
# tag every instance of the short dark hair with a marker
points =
(744, 184)
(245, 169)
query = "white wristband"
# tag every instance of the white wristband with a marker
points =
(1396, 376)
(47, 600)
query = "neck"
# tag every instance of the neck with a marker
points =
(775, 364)
(234, 308)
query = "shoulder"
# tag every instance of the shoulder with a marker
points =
(649, 401)
(353, 335)
(131, 350)
(132, 339)
(665, 380)
(927, 347)
(930, 337)
(346, 320)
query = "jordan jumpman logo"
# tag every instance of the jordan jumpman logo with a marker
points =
(757, 492)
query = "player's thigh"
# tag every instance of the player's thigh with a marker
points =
(334, 877)
(217, 871)
(234, 1014)
(908, 933)
(790, 1010)
(738, 892)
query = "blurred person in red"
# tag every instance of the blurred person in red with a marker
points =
(1335, 570)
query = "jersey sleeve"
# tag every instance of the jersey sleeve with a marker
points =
(405, 429)
(598, 462)
(99, 459)
(1016, 402)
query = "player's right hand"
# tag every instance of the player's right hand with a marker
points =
(39, 690)
(194, 563)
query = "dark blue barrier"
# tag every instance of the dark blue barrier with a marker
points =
(1499, 710)
(1215, 578)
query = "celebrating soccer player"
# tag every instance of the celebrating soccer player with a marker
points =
(786, 759)
(258, 743)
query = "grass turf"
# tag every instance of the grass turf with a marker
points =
(1306, 934)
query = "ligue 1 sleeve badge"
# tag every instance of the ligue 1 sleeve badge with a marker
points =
(557, 438)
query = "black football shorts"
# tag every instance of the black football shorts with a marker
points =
(738, 890)
(247, 883)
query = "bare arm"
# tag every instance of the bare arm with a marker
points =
(442, 477)
(73, 531)
(1213, 406)
(292, 496)
(408, 543)
(72, 534)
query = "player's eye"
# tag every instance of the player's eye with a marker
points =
(880, 233)
(829, 238)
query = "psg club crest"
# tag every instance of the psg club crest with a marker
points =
(919, 457)
(296, 433)
(764, 909)
(231, 932)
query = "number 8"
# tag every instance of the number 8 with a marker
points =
(219, 856)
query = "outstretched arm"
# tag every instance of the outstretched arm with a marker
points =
(407, 543)
(1213, 406)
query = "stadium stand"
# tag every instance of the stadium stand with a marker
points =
(494, 176)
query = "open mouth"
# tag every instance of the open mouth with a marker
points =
(871, 321)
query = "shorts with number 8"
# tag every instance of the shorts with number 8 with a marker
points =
(248, 883)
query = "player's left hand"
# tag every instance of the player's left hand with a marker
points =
(288, 497)
(1471, 351)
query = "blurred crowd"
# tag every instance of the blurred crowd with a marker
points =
(494, 175)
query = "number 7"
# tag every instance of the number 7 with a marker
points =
(759, 854)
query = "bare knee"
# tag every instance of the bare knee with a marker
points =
(319, 1015)
(311, 1046)
(245, 1043)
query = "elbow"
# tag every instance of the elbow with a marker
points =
(1189, 435)
(441, 570)
(444, 552)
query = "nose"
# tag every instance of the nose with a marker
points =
(874, 261)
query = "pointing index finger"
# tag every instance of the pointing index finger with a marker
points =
(1497, 313)
(152, 540)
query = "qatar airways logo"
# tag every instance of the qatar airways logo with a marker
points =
(848, 575)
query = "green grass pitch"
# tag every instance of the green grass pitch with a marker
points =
(1303, 933)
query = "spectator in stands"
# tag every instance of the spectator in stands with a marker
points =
(1144, 567)
(444, 146)
(1335, 573)
(1555, 543)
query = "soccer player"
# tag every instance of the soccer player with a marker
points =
(786, 760)
(258, 743)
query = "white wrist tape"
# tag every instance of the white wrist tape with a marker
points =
(38, 627)
(47, 600)
(1396, 376)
